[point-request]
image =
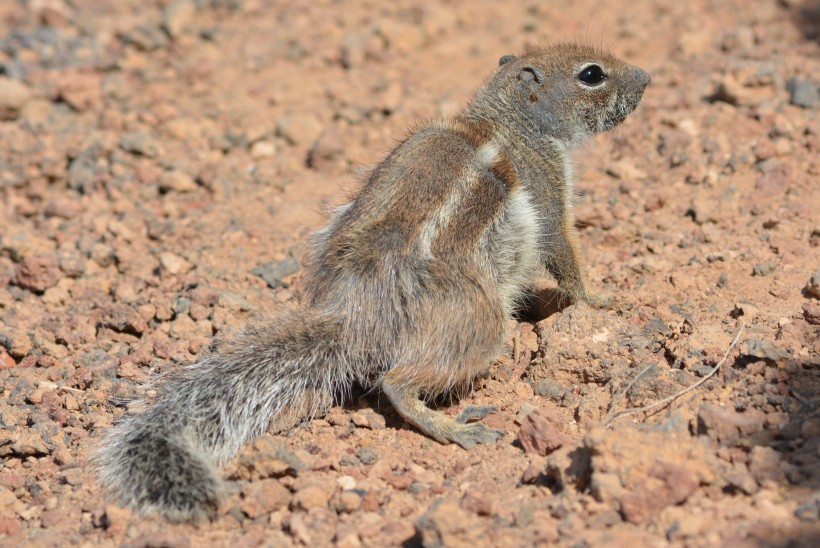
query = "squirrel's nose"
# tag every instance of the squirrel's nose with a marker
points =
(642, 77)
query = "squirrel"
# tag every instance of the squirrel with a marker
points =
(407, 289)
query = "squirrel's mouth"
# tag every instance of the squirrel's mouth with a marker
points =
(624, 105)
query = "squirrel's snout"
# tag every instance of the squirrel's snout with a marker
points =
(642, 77)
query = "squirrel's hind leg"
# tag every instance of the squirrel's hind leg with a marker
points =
(437, 425)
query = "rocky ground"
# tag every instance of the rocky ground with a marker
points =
(161, 163)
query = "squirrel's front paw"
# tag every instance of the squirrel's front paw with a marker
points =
(595, 300)
(599, 300)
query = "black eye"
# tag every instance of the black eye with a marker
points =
(592, 75)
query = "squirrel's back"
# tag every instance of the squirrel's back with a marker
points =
(445, 204)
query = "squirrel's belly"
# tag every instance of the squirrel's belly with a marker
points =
(512, 246)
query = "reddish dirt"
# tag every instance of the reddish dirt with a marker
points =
(153, 154)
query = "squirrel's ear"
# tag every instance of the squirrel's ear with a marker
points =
(530, 73)
(506, 59)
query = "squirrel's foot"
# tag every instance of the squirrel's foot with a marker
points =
(469, 435)
(437, 425)
(596, 300)
(474, 433)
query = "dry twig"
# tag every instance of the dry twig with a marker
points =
(611, 418)
(620, 396)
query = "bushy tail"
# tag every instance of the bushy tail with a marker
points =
(165, 460)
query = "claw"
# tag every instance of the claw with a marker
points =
(474, 412)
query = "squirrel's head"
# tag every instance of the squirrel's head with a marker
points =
(569, 91)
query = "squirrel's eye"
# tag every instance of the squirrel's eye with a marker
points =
(592, 75)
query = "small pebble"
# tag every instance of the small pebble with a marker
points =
(548, 388)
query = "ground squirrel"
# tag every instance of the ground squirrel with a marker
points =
(408, 288)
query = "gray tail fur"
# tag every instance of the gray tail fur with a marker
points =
(275, 375)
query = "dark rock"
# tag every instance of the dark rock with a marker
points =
(809, 511)
(367, 455)
(764, 350)
(181, 305)
(762, 269)
(548, 388)
(140, 143)
(701, 370)
(813, 287)
(81, 172)
(273, 273)
(803, 93)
